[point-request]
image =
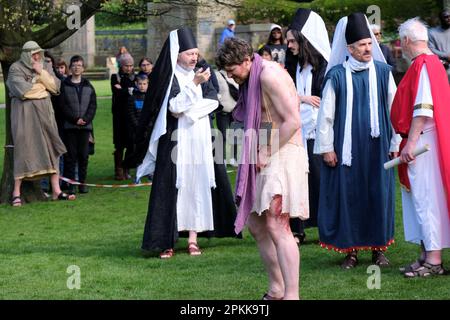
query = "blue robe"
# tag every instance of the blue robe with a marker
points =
(356, 203)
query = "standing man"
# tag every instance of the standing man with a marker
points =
(308, 55)
(228, 32)
(420, 115)
(387, 52)
(37, 145)
(356, 205)
(79, 104)
(175, 143)
(440, 40)
(272, 179)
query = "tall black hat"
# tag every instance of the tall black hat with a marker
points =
(357, 28)
(300, 18)
(186, 39)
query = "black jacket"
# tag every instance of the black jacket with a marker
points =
(77, 104)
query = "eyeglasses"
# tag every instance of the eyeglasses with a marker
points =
(446, 16)
(378, 33)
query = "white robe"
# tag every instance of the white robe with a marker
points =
(194, 158)
(425, 213)
(324, 132)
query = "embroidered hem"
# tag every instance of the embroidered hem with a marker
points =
(358, 248)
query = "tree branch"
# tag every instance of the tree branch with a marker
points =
(57, 32)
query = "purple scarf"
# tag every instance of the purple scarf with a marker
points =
(248, 110)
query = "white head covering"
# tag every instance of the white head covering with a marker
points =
(341, 55)
(339, 51)
(28, 49)
(313, 29)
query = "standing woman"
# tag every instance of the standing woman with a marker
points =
(306, 61)
(122, 86)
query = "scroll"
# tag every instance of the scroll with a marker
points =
(395, 162)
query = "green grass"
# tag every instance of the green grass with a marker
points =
(101, 232)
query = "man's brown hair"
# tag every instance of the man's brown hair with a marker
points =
(233, 52)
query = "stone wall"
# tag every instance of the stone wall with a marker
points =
(203, 16)
(107, 44)
(81, 42)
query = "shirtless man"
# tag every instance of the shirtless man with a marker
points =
(269, 192)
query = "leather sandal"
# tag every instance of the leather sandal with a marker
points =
(350, 261)
(16, 201)
(416, 264)
(167, 254)
(380, 259)
(426, 270)
(267, 296)
(194, 249)
(65, 196)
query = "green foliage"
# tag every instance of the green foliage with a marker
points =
(29, 15)
(393, 12)
(119, 13)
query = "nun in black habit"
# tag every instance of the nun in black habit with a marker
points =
(154, 150)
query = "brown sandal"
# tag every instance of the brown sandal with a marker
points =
(426, 270)
(194, 249)
(350, 261)
(416, 264)
(380, 259)
(167, 254)
(267, 296)
(16, 201)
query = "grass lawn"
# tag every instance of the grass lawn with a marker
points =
(101, 233)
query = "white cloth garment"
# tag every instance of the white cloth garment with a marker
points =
(194, 158)
(324, 141)
(425, 213)
(352, 65)
(308, 113)
(148, 164)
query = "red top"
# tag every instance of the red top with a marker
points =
(403, 107)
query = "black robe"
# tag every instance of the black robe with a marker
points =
(161, 231)
(315, 161)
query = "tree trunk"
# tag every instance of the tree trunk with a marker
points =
(31, 190)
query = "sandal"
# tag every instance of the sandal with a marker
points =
(167, 254)
(350, 261)
(194, 249)
(380, 259)
(267, 296)
(16, 201)
(299, 238)
(425, 270)
(415, 265)
(65, 196)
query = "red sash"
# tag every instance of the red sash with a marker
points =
(403, 107)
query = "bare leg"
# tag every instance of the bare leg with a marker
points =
(286, 248)
(17, 184)
(258, 229)
(54, 180)
(434, 257)
(192, 237)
